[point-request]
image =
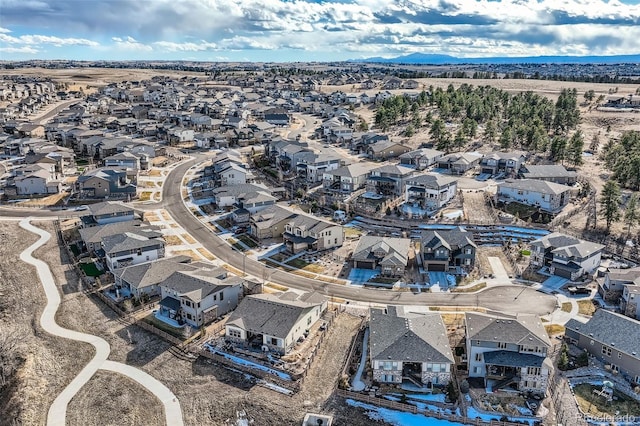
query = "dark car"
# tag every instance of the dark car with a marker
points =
(579, 290)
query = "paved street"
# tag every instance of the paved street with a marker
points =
(514, 299)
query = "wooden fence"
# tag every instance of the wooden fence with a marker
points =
(381, 402)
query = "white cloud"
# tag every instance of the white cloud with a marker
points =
(45, 39)
(24, 49)
(186, 47)
(131, 44)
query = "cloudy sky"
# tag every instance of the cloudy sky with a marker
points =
(310, 30)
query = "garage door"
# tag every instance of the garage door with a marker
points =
(436, 267)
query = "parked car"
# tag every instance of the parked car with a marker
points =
(579, 289)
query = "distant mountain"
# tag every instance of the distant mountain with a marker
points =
(434, 59)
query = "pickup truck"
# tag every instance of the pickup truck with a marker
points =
(579, 289)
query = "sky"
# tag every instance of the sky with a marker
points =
(313, 30)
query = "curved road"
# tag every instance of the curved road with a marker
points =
(58, 410)
(508, 298)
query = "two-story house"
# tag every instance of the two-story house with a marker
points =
(270, 222)
(196, 298)
(551, 173)
(92, 236)
(630, 300)
(312, 166)
(106, 182)
(304, 232)
(347, 179)
(502, 162)
(130, 248)
(385, 150)
(565, 256)
(389, 254)
(430, 191)
(612, 338)
(508, 351)
(549, 197)
(274, 322)
(448, 250)
(615, 280)
(421, 158)
(388, 180)
(459, 163)
(107, 212)
(406, 345)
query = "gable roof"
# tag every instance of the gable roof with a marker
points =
(153, 273)
(396, 249)
(567, 245)
(398, 335)
(197, 284)
(95, 234)
(452, 239)
(534, 185)
(128, 241)
(522, 329)
(547, 171)
(618, 331)
(274, 315)
(107, 208)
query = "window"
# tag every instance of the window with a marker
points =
(479, 357)
(235, 333)
(274, 341)
(606, 350)
(436, 368)
(619, 355)
(615, 368)
(215, 297)
(189, 316)
(222, 295)
(476, 369)
(502, 345)
(533, 370)
(309, 321)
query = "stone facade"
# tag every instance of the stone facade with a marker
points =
(527, 381)
(435, 378)
(383, 376)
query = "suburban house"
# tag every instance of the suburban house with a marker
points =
(304, 232)
(130, 248)
(252, 197)
(615, 281)
(565, 256)
(124, 159)
(92, 236)
(508, 351)
(105, 213)
(629, 303)
(347, 179)
(196, 298)
(549, 197)
(144, 278)
(312, 166)
(421, 158)
(389, 254)
(388, 180)
(234, 174)
(384, 150)
(502, 162)
(37, 179)
(551, 173)
(612, 338)
(275, 322)
(460, 162)
(106, 182)
(448, 250)
(430, 191)
(407, 345)
(270, 222)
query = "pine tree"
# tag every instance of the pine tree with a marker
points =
(610, 202)
(631, 213)
(575, 149)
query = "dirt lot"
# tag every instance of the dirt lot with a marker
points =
(48, 363)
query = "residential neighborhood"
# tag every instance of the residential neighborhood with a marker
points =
(276, 232)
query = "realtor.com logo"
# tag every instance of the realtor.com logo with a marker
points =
(610, 419)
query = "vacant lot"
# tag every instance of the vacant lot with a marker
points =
(45, 364)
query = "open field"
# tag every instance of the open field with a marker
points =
(45, 364)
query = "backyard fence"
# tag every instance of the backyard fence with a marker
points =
(381, 402)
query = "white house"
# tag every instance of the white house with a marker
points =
(196, 298)
(430, 190)
(548, 196)
(37, 182)
(566, 256)
(508, 351)
(304, 232)
(130, 249)
(275, 322)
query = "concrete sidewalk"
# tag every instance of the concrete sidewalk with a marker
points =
(58, 410)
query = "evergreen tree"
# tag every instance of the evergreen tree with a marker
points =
(437, 131)
(558, 148)
(506, 139)
(631, 213)
(575, 149)
(610, 202)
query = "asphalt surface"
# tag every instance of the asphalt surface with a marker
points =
(508, 298)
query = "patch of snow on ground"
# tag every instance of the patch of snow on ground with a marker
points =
(399, 418)
(428, 397)
(247, 363)
(357, 384)
(472, 413)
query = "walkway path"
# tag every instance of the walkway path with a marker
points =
(58, 410)
(358, 385)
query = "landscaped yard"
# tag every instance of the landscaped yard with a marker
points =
(74, 249)
(90, 269)
(301, 264)
(248, 241)
(471, 289)
(597, 406)
(566, 307)
(586, 307)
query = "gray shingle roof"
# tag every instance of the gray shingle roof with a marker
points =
(452, 239)
(153, 273)
(396, 248)
(398, 335)
(520, 329)
(534, 185)
(548, 171)
(108, 207)
(615, 330)
(566, 245)
(513, 359)
(271, 314)
(195, 285)
(128, 241)
(431, 180)
(95, 234)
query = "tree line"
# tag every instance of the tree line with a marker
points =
(525, 120)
